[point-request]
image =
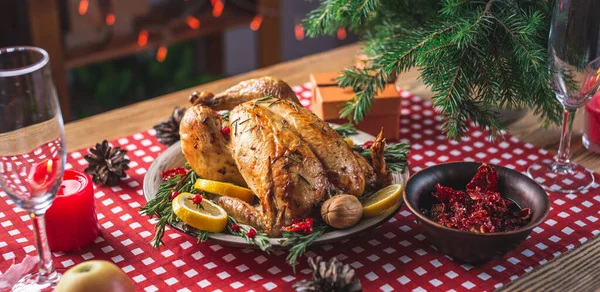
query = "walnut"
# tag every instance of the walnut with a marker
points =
(342, 211)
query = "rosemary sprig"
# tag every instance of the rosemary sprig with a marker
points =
(292, 157)
(395, 155)
(161, 206)
(202, 236)
(263, 99)
(345, 130)
(274, 103)
(244, 121)
(299, 242)
(261, 240)
(225, 116)
(304, 179)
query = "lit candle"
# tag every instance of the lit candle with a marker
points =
(71, 221)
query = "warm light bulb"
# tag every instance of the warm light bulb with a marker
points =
(110, 19)
(256, 22)
(161, 54)
(299, 32)
(143, 38)
(192, 22)
(83, 6)
(218, 8)
(341, 33)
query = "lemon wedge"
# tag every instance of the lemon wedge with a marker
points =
(382, 200)
(210, 217)
(349, 142)
(225, 189)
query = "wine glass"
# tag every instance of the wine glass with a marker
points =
(32, 152)
(574, 47)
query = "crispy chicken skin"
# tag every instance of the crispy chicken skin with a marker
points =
(288, 157)
(205, 148)
(245, 91)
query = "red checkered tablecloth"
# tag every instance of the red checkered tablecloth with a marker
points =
(394, 256)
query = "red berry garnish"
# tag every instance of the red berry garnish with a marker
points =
(251, 233)
(174, 195)
(367, 145)
(197, 199)
(225, 130)
(235, 227)
(170, 173)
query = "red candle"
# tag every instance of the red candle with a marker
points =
(71, 221)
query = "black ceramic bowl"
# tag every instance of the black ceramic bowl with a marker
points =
(463, 245)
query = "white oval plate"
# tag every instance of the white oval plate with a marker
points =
(173, 157)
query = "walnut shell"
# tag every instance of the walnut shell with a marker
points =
(342, 211)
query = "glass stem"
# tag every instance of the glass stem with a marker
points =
(562, 158)
(46, 269)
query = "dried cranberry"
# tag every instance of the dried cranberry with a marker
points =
(480, 209)
(367, 145)
(235, 227)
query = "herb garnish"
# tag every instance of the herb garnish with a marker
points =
(345, 130)
(225, 116)
(299, 242)
(261, 240)
(395, 155)
(304, 179)
(293, 158)
(256, 101)
(161, 206)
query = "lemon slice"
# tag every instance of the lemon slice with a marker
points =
(382, 200)
(211, 217)
(349, 142)
(225, 189)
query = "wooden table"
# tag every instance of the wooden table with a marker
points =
(563, 273)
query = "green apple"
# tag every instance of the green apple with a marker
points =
(95, 276)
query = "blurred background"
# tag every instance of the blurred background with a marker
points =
(109, 53)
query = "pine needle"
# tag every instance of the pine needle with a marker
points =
(475, 56)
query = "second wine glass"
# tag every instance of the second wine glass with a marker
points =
(574, 48)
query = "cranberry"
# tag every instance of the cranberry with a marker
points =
(197, 199)
(235, 227)
(251, 233)
(170, 173)
(367, 145)
(225, 130)
(174, 195)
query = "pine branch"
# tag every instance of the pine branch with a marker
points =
(474, 55)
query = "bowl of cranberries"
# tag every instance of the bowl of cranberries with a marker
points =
(475, 212)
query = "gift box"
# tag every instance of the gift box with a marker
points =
(329, 99)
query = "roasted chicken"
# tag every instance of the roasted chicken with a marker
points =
(286, 155)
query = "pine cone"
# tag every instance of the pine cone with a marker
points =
(329, 276)
(107, 165)
(167, 132)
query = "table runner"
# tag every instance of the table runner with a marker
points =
(394, 256)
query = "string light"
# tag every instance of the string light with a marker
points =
(256, 22)
(299, 32)
(341, 33)
(143, 38)
(83, 6)
(161, 54)
(192, 22)
(217, 8)
(110, 19)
